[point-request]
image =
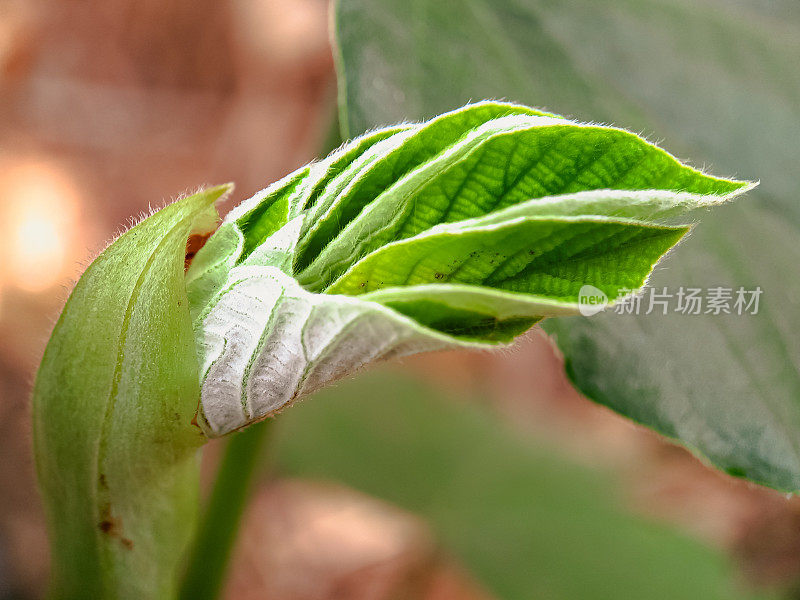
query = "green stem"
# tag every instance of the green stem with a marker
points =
(212, 547)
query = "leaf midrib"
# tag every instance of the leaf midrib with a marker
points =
(110, 404)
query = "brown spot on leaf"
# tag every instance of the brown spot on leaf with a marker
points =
(112, 527)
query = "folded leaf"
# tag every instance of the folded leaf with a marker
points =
(460, 232)
(498, 164)
(545, 256)
(113, 406)
(388, 162)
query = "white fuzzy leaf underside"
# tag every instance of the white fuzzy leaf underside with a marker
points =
(267, 342)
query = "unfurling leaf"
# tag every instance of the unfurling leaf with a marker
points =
(462, 231)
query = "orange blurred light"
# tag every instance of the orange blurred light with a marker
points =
(39, 213)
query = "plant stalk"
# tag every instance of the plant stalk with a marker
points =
(212, 547)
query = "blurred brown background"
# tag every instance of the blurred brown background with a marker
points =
(107, 108)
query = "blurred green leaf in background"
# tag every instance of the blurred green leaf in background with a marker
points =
(527, 522)
(715, 80)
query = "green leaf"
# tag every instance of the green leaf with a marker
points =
(719, 82)
(113, 406)
(462, 231)
(546, 257)
(389, 161)
(525, 520)
(499, 164)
